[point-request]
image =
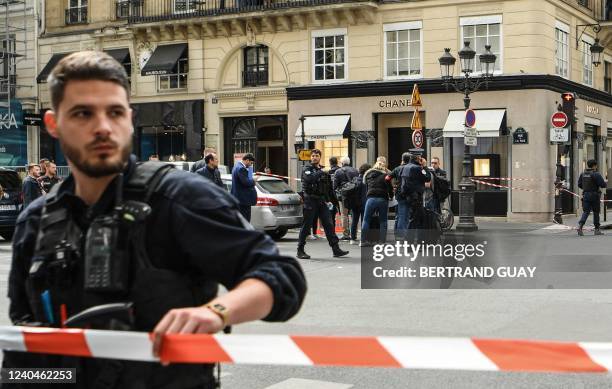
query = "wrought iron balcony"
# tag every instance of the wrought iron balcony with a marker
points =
(76, 15)
(150, 11)
(255, 78)
(127, 8)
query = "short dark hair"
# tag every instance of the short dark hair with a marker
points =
(591, 163)
(85, 65)
(333, 161)
(364, 168)
(248, 157)
(209, 158)
(406, 157)
(315, 151)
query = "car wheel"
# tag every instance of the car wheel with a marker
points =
(278, 233)
(8, 235)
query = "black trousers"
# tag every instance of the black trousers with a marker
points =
(312, 208)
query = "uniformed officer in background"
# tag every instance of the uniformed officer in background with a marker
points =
(318, 200)
(162, 252)
(590, 181)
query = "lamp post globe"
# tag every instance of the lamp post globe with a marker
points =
(487, 62)
(447, 65)
(466, 56)
(596, 50)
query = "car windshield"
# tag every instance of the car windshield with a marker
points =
(10, 180)
(274, 186)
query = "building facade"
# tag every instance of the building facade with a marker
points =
(237, 75)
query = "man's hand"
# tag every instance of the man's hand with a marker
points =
(200, 320)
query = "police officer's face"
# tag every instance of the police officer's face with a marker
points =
(315, 158)
(94, 126)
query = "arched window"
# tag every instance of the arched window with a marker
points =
(255, 71)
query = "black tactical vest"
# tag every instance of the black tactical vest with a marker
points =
(588, 181)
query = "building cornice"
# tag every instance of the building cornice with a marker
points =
(240, 93)
(435, 85)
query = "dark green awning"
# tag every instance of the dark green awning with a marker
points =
(120, 55)
(164, 60)
(55, 58)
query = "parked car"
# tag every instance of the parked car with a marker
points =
(278, 207)
(11, 201)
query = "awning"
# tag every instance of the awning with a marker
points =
(55, 58)
(120, 55)
(164, 59)
(332, 127)
(489, 122)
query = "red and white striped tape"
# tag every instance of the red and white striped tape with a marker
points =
(382, 351)
(530, 190)
(508, 178)
(277, 176)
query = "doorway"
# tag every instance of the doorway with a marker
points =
(400, 141)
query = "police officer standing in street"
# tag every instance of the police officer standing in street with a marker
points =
(318, 199)
(413, 179)
(151, 240)
(590, 181)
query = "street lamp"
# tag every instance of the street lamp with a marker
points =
(596, 50)
(467, 85)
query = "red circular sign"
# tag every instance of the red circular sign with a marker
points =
(417, 139)
(559, 119)
(470, 118)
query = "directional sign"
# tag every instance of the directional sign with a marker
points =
(470, 118)
(559, 119)
(416, 121)
(417, 138)
(415, 101)
(32, 119)
(304, 155)
(559, 134)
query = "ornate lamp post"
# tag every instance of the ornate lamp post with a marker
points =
(467, 85)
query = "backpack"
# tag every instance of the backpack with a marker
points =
(350, 189)
(442, 187)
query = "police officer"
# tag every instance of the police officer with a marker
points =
(169, 266)
(318, 197)
(414, 176)
(590, 181)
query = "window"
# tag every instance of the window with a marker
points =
(481, 31)
(332, 148)
(76, 12)
(587, 63)
(255, 66)
(329, 55)
(608, 76)
(8, 67)
(562, 50)
(127, 8)
(403, 50)
(184, 6)
(177, 80)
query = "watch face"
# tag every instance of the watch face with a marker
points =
(219, 307)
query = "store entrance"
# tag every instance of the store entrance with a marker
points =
(400, 141)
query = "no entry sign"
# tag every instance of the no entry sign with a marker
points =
(559, 119)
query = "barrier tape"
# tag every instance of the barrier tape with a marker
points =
(277, 176)
(530, 190)
(382, 351)
(507, 178)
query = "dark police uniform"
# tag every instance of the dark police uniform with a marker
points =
(194, 231)
(413, 179)
(318, 191)
(590, 181)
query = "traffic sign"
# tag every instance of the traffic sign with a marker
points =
(559, 119)
(559, 134)
(417, 138)
(471, 132)
(470, 118)
(470, 141)
(304, 155)
(416, 121)
(415, 100)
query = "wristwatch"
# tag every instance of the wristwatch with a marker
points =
(221, 311)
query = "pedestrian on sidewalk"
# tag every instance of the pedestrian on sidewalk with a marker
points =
(402, 214)
(379, 193)
(243, 185)
(211, 170)
(31, 186)
(590, 181)
(357, 202)
(343, 181)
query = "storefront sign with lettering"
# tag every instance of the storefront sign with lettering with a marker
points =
(592, 109)
(395, 103)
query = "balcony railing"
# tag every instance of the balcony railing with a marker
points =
(126, 8)
(161, 10)
(76, 15)
(255, 78)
